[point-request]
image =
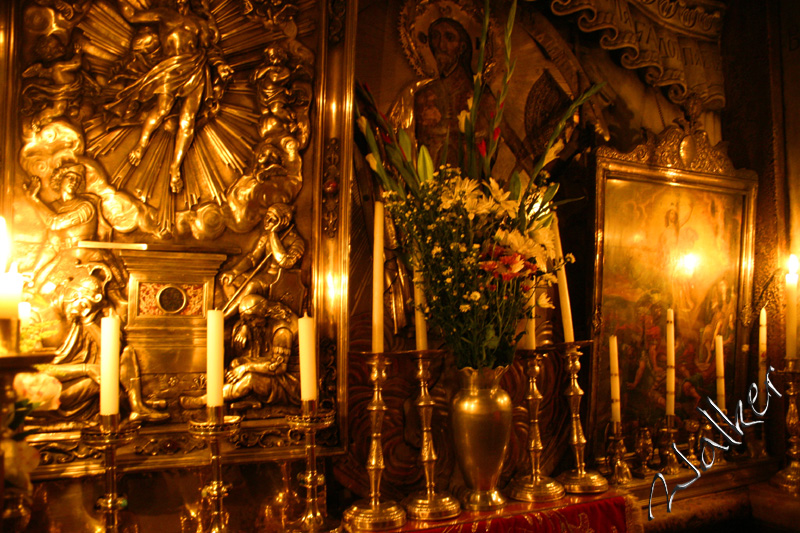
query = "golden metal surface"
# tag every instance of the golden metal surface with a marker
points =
(428, 504)
(313, 519)
(481, 414)
(643, 452)
(534, 486)
(374, 513)
(107, 436)
(213, 518)
(788, 479)
(669, 460)
(617, 462)
(578, 480)
(109, 167)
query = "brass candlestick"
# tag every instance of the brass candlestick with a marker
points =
(788, 479)
(108, 436)
(692, 430)
(428, 504)
(310, 421)
(213, 518)
(617, 463)
(535, 486)
(578, 480)
(669, 460)
(374, 514)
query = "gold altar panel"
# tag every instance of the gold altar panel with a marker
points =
(164, 158)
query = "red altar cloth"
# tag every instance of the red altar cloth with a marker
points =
(605, 513)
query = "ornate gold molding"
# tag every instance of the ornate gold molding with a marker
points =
(675, 43)
(682, 146)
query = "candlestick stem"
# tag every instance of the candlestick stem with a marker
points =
(535, 486)
(213, 517)
(578, 480)
(428, 504)
(669, 460)
(107, 436)
(374, 514)
(309, 422)
(788, 479)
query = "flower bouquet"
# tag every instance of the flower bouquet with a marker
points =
(481, 244)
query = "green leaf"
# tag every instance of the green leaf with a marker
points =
(424, 165)
(492, 340)
(405, 144)
(514, 185)
(551, 191)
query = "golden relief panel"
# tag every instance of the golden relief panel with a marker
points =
(165, 153)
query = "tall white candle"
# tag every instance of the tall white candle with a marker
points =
(791, 308)
(762, 358)
(670, 408)
(563, 291)
(109, 365)
(420, 325)
(215, 357)
(377, 279)
(613, 361)
(720, 359)
(10, 282)
(308, 357)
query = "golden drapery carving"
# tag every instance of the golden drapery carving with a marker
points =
(675, 43)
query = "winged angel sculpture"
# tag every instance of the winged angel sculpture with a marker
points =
(188, 116)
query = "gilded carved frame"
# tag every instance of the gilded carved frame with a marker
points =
(698, 261)
(319, 43)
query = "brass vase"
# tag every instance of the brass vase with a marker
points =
(481, 421)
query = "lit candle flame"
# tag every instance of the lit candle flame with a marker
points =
(794, 264)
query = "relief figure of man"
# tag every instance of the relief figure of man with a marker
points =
(189, 46)
(280, 242)
(263, 339)
(79, 304)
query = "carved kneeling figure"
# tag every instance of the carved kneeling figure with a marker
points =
(263, 338)
(76, 365)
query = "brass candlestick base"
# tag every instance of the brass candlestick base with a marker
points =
(214, 518)
(374, 514)
(617, 464)
(428, 504)
(310, 421)
(579, 480)
(669, 460)
(108, 436)
(788, 479)
(535, 486)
